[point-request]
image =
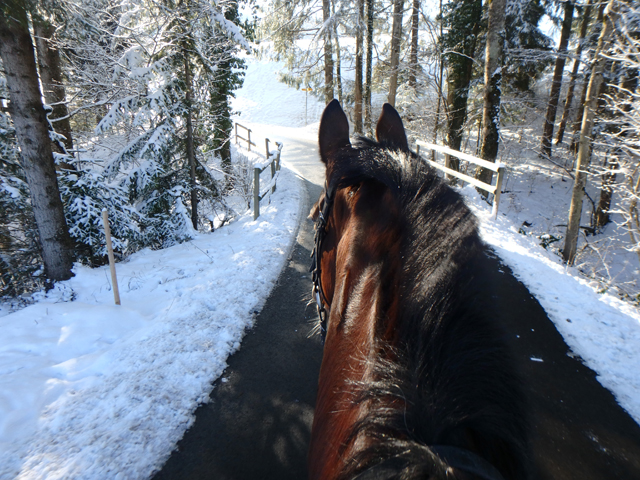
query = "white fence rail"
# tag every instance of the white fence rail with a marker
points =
(272, 161)
(495, 190)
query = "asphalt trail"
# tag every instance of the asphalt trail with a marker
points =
(257, 424)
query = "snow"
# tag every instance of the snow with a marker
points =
(602, 329)
(90, 390)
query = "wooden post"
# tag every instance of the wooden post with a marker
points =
(112, 262)
(496, 195)
(236, 133)
(249, 138)
(273, 174)
(256, 193)
(266, 143)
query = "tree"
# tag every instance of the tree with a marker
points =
(50, 72)
(413, 55)
(369, 4)
(556, 84)
(31, 126)
(584, 151)
(396, 38)
(328, 55)
(463, 21)
(492, 86)
(357, 107)
(586, 17)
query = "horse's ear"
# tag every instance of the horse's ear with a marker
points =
(390, 129)
(334, 130)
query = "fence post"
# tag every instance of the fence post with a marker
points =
(496, 196)
(266, 143)
(273, 174)
(249, 137)
(236, 133)
(256, 193)
(112, 262)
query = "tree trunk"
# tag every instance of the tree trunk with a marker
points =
(190, 149)
(53, 87)
(584, 150)
(492, 84)
(574, 75)
(440, 80)
(338, 77)
(413, 55)
(606, 193)
(457, 98)
(396, 37)
(556, 84)
(369, 68)
(32, 132)
(357, 107)
(328, 54)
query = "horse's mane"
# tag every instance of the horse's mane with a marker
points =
(449, 368)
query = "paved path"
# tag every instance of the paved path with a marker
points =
(257, 424)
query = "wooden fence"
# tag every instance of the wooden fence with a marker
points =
(273, 164)
(495, 190)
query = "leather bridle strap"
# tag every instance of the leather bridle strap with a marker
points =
(455, 457)
(318, 293)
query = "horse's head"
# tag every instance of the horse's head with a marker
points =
(408, 381)
(351, 197)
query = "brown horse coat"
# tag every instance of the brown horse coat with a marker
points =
(414, 376)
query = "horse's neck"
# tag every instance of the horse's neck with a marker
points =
(350, 345)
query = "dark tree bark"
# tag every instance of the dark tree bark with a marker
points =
(460, 49)
(53, 88)
(191, 156)
(328, 54)
(413, 55)
(338, 62)
(396, 37)
(556, 84)
(440, 80)
(574, 75)
(357, 107)
(492, 84)
(30, 121)
(369, 65)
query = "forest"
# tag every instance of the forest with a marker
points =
(125, 106)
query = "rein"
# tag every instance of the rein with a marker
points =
(455, 457)
(318, 293)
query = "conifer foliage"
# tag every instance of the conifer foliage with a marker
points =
(148, 84)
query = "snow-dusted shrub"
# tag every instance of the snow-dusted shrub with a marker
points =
(85, 194)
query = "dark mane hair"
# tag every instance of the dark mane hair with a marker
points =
(449, 368)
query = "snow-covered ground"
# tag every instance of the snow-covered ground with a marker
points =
(90, 390)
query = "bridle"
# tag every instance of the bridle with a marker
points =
(317, 292)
